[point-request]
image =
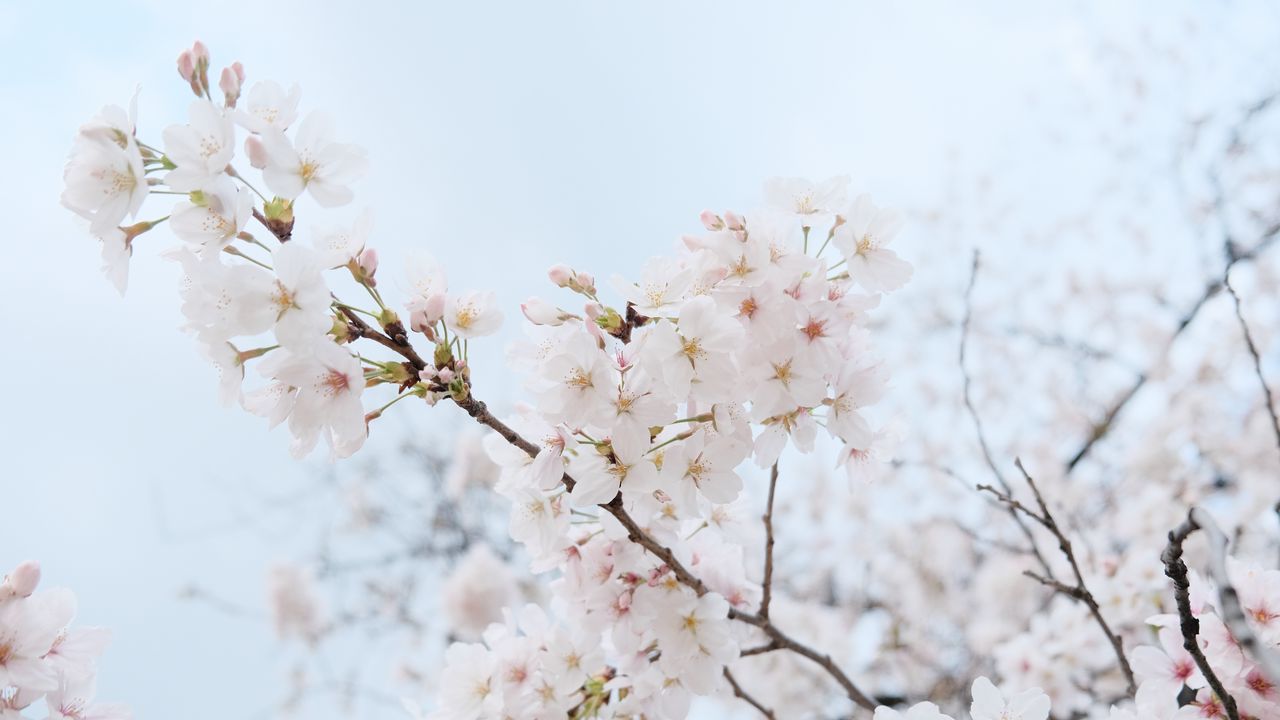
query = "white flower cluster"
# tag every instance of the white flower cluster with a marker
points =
(239, 290)
(650, 411)
(1167, 670)
(744, 343)
(42, 657)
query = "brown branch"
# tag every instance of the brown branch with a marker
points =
(784, 642)
(977, 419)
(477, 410)
(737, 690)
(1232, 613)
(400, 344)
(1107, 423)
(760, 649)
(767, 584)
(1176, 570)
(1257, 360)
(480, 413)
(1079, 591)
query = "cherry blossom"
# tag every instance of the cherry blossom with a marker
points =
(313, 162)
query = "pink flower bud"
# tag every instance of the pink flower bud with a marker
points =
(586, 283)
(711, 221)
(256, 151)
(734, 221)
(561, 275)
(368, 262)
(427, 374)
(186, 65)
(23, 580)
(593, 310)
(200, 53)
(434, 307)
(418, 322)
(229, 83)
(238, 69)
(445, 375)
(541, 312)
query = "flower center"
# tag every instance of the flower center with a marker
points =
(579, 379)
(465, 316)
(308, 170)
(815, 329)
(209, 146)
(334, 383)
(782, 372)
(692, 349)
(282, 298)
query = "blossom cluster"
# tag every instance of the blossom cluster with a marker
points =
(659, 407)
(1166, 670)
(243, 298)
(42, 657)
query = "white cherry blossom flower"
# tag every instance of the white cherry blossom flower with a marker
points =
(813, 203)
(990, 704)
(339, 246)
(268, 107)
(473, 314)
(919, 711)
(329, 381)
(201, 149)
(211, 218)
(105, 178)
(313, 162)
(863, 238)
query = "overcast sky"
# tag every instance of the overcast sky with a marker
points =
(503, 138)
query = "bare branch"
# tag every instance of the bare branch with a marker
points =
(1257, 360)
(1232, 613)
(760, 649)
(737, 690)
(784, 642)
(977, 420)
(1079, 591)
(1176, 570)
(1107, 423)
(767, 584)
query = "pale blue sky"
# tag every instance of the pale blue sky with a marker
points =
(503, 138)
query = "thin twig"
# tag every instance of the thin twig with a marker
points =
(1108, 421)
(1176, 570)
(760, 649)
(767, 584)
(480, 412)
(977, 419)
(1257, 360)
(636, 534)
(743, 694)
(1079, 591)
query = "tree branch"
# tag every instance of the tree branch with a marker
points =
(737, 690)
(636, 534)
(1257, 360)
(1079, 591)
(1233, 614)
(766, 585)
(1107, 423)
(977, 420)
(1176, 570)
